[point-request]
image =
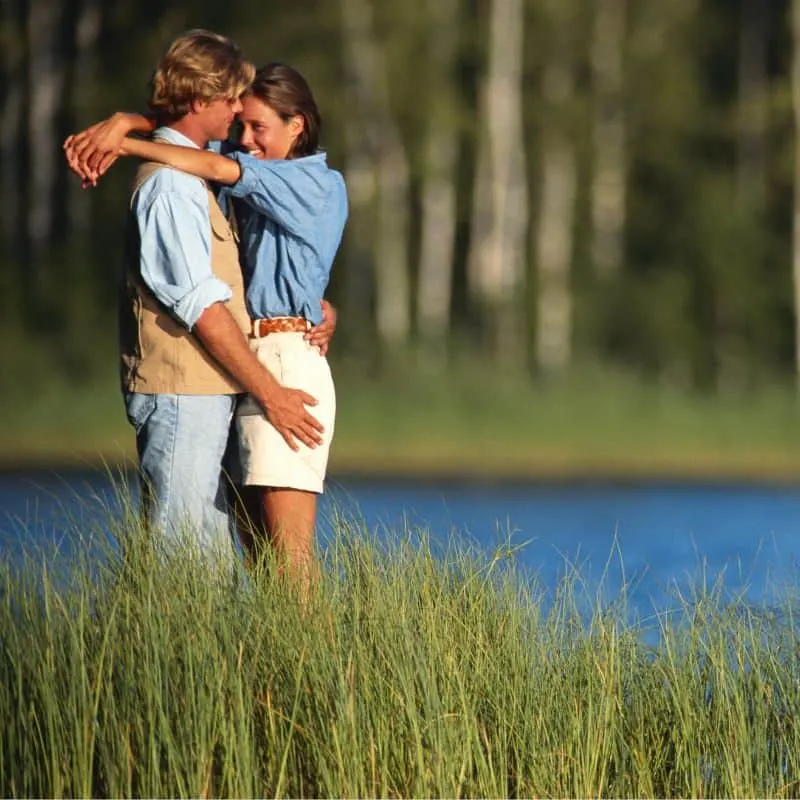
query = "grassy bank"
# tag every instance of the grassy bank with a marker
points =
(472, 422)
(405, 675)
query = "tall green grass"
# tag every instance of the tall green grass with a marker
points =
(409, 672)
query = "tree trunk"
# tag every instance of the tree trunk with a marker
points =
(608, 190)
(434, 288)
(11, 172)
(730, 335)
(496, 263)
(752, 128)
(45, 84)
(367, 71)
(553, 241)
(87, 32)
(796, 236)
(359, 282)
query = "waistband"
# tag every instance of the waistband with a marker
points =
(263, 327)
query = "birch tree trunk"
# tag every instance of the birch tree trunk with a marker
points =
(553, 236)
(496, 262)
(608, 190)
(367, 71)
(434, 287)
(795, 12)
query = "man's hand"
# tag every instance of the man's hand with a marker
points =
(286, 410)
(320, 335)
(91, 152)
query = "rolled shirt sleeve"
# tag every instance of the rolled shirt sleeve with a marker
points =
(171, 209)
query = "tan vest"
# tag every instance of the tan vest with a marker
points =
(159, 356)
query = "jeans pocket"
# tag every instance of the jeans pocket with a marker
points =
(139, 407)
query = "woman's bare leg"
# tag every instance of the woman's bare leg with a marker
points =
(290, 515)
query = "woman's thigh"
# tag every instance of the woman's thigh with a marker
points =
(266, 459)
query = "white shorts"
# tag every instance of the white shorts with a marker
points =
(266, 459)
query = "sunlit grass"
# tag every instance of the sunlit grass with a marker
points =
(412, 671)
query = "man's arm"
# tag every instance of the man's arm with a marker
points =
(175, 264)
(285, 408)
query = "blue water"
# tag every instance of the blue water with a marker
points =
(657, 540)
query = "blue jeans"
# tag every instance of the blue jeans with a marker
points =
(181, 442)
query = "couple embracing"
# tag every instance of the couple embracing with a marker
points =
(222, 320)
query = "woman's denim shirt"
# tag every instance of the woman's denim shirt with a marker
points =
(291, 216)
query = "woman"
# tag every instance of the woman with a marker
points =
(290, 210)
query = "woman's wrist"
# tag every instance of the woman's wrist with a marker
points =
(127, 123)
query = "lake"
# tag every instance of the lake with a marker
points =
(656, 539)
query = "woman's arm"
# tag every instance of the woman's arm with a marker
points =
(92, 151)
(203, 163)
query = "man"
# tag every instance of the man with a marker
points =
(183, 319)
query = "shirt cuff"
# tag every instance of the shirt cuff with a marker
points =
(192, 305)
(248, 180)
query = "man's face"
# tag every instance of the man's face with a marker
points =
(218, 115)
(264, 133)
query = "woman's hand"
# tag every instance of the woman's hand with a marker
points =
(320, 335)
(92, 151)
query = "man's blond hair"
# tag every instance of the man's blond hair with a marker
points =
(198, 66)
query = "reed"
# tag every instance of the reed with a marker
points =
(412, 670)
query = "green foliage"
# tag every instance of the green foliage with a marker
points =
(410, 671)
(705, 294)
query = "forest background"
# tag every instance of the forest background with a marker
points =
(573, 238)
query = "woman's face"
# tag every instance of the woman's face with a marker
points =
(264, 133)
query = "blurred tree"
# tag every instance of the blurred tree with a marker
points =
(380, 138)
(608, 189)
(434, 283)
(752, 117)
(14, 97)
(497, 255)
(553, 237)
(658, 145)
(45, 77)
(795, 24)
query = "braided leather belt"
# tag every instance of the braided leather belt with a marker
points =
(263, 327)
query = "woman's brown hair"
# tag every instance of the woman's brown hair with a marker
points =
(286, 92)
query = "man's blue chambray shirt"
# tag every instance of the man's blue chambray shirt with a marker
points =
(171, 210)
(291, 217)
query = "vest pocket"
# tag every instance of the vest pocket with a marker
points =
(220, 227)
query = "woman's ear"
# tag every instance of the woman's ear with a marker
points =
(297, 125)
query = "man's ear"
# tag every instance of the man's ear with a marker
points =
(197, 106)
